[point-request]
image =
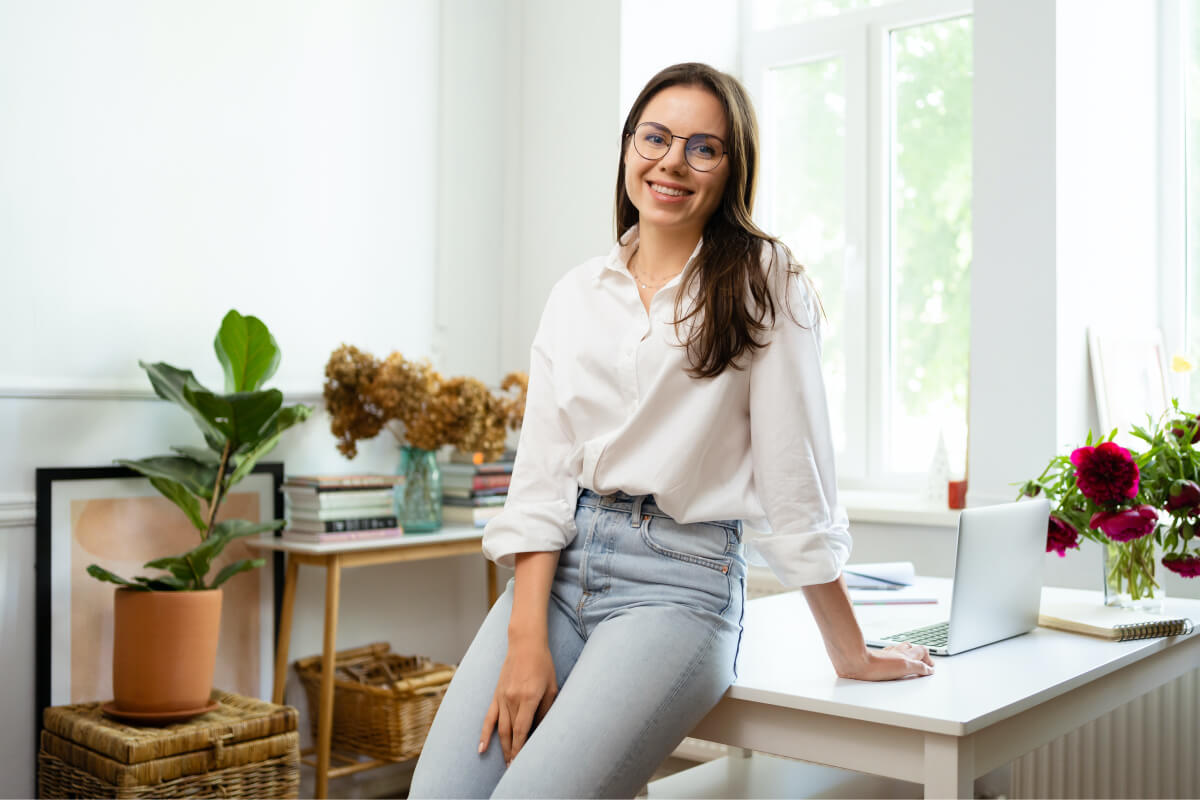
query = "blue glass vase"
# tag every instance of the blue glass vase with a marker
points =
(419, 501)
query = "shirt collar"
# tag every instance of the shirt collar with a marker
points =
(626, 246)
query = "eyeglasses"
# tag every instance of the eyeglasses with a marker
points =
(702, 151)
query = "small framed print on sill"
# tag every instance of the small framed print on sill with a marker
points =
(1129, 375)
(113, 517)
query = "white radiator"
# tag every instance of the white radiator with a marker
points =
(1146, 748)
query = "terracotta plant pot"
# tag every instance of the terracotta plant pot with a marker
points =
(164, 649)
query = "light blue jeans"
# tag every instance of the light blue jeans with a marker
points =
(645, 618)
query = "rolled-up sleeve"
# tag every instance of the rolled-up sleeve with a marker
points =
(791, 444)
(539, 514)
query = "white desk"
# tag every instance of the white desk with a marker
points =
(980, 710)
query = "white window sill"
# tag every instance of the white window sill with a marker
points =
(895, 508)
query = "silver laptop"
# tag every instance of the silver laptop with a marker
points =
(997, 579)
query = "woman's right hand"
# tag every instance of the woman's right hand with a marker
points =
(889, 664)
(524, 693)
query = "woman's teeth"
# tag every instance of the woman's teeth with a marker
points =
(667, 190)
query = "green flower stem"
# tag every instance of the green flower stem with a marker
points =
(1131, 568)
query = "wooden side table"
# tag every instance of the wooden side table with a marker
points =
(450, 541)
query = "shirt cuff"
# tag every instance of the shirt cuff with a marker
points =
(804, 559)
(528, 528)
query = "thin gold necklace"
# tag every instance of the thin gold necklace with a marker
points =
(638, 278)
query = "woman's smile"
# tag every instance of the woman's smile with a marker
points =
(668, 192)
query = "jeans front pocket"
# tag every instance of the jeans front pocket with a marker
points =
(707, 544)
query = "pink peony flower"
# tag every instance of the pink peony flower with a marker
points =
(1125, 526)
(1061, 536)
(1179, 429)
(1187, 566)
(1105, 473)
(1183, 496)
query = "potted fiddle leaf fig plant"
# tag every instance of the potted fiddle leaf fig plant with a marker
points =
(166, 624)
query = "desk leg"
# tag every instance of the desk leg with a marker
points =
(492, 589)
(949, 766)
(333, 580)
(283, 646)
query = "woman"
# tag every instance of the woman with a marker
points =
(672, 394)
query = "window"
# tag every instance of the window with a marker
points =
(865, 108)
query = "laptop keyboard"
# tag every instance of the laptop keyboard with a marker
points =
(931, 635)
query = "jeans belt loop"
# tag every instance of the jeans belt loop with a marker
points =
(635, 517)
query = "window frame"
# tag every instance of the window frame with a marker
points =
(861, 38)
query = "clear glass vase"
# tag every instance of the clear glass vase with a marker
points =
(1131, 578)
(419, 501)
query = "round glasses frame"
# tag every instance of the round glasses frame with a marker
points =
(689, 142)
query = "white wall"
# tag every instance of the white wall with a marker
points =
(568, 56)
(478, 135)
(1013, 380)
(1107, 195)
(161, 162)
(658, 33)
(175, 160)
(1065, 203)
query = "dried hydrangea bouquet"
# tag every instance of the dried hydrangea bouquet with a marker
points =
(424, 411)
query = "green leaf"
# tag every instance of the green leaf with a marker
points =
(202, 556)
(273, 430)
(99, 573)
(230, 570)
(202, 454)
(237, 528)
(163, 583)
(180, 496)
(239, 416)
(247, 351)
(195, 477)
(171, 384)
(177, 566)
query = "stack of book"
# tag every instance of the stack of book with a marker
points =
(474, 492)
(340, 508)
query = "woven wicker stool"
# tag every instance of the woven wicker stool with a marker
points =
(244, 748)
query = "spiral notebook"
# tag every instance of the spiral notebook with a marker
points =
(1114, 624)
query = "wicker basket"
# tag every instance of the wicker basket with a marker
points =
(243, 748)
(383, 702)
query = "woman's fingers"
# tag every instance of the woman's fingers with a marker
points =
(907, 660)
(505, 730)
(489, 722)
(547, 701)
(918, 667)
(522, 724)
(918, 651)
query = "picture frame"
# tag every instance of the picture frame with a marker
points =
(113, 517)
(1129, 375)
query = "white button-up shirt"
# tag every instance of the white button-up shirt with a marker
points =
(611, 407)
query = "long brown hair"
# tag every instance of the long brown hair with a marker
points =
(729, 264)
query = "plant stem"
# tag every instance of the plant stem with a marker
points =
(199, 578)
(217, 497)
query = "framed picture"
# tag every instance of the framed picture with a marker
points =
(1129, 373)
(113, 517)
